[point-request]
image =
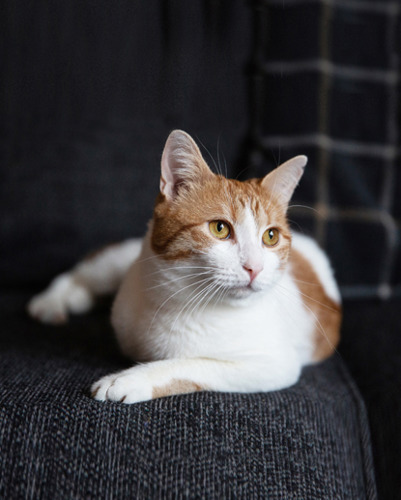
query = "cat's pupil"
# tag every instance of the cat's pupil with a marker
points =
(220, 226)
(271, 234)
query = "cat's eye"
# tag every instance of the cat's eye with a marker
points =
(271, 236)
(219, 229)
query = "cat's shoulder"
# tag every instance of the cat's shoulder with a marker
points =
(308, 261)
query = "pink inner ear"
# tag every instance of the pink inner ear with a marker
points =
(167, 181)
(182, 163)
(284, 179)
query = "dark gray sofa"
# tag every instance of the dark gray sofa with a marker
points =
(309, 441)
(90, 92)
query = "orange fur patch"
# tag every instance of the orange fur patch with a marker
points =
(176, 386)
(327, 312)
(179, 225)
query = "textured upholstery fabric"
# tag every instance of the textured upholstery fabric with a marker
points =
(371, 346)
(310, 441)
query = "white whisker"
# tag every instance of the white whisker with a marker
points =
(303, 206)
(203, 291)
(217, 288)
(312, 299)
(306, 282)
(211, 157)
(172, 296)
(169, 281)
(179, 268)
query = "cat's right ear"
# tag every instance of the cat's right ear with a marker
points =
(182, 164)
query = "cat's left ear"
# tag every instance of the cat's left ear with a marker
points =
(283, 180)
(182, 164)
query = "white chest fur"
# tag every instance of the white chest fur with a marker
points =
(151, 323)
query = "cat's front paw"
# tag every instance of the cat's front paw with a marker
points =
(126, 387)
(143, 382)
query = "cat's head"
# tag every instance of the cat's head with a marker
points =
(234, 233)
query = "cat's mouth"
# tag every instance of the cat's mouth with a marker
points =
(242, 291)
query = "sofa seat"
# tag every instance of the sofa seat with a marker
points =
(310, 441)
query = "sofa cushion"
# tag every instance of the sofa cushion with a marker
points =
(309, 441)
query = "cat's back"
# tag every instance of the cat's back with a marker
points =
(311, 271)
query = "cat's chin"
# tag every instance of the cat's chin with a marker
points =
(242, 293)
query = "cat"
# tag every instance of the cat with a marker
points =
(220, 295)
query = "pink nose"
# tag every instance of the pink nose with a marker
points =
(253, 270)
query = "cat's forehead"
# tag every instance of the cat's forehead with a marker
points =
(241, 199)
(221, 198)
(179, 225)
(236, 200)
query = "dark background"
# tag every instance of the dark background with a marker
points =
(90, 92)
(91, 89)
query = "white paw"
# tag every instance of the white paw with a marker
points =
(61, 297)
(48, 309)
(129, 386)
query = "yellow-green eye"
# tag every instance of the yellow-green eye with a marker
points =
(219, 229)
(270, 237)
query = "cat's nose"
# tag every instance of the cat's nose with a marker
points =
(253, 270)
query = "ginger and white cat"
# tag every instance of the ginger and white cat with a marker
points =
(219, 295)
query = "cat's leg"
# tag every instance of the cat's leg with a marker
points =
(179, 376)
(74, 291)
